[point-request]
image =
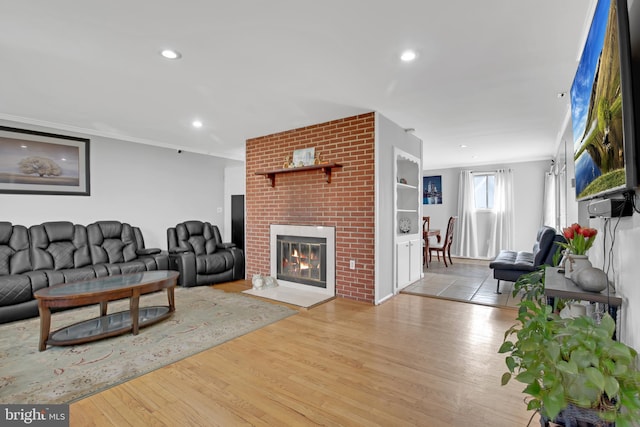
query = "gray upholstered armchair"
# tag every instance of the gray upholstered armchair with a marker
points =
(196, 251)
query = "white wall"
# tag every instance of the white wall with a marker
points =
(388, 135)
(528, 186)
(616, 252)
(149, 187)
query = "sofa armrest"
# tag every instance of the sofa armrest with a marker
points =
(178, 250)
(148, 251)
(225, 245)
(238, 263)
(185, 264)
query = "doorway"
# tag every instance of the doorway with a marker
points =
(237, 220)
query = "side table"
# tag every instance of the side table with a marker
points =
(558, 286)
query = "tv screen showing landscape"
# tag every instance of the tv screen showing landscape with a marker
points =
(596, 109)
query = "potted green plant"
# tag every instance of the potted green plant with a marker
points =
(570, 365)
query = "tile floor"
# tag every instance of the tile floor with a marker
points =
(467, 280)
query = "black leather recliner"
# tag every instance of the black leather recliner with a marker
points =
(61, 252)
(510, 265)
(196, 250)
(114, 247)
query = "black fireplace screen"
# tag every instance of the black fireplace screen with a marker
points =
(302, 260)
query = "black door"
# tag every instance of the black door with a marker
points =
(237, 220)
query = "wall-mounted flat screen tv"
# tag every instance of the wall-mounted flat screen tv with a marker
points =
(602, 106)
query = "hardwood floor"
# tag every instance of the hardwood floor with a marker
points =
(412, 361)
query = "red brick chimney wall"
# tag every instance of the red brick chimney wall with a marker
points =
(305, 198)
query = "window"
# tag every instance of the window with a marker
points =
(484, 185)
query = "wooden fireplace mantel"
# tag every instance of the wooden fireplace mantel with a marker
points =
(326, 168)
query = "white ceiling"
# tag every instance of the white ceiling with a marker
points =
(487, 74)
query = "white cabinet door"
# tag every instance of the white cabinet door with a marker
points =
(403, 264)
(408, 262)
(415, 264)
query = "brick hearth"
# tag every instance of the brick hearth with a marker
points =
(304, 198)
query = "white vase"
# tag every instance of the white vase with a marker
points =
(574, 264)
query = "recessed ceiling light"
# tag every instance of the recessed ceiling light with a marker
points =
(408, 56)
(463, 146)
(196, 124)
(171, 54)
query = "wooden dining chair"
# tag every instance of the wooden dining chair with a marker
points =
(426, 225)
(444, 246)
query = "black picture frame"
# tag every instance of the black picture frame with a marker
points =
(33, 162)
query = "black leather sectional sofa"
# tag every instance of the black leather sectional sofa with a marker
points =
(60, 252)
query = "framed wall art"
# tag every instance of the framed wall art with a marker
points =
(34, 162)
(432, 190)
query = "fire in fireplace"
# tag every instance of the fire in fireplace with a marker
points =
(302, 259)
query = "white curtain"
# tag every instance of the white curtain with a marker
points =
(503, 229)
(550, 213)
(467, 230)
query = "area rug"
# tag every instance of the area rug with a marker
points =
(204, 318)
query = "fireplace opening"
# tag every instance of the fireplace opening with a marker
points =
(302, 259)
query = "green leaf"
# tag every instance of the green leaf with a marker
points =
(582, 358)
(506, 347)
(611, 386)
(511, 363)
(608, 324)
(533, 389)
(533, 404)
(621, 352)
(554, 402)
(595, 377)
(621, 422)
(567, 367)
(553, 350)
(526, 377)
(505, 378)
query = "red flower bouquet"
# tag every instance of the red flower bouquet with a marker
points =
(579, 239)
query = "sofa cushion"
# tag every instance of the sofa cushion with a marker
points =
(111, 242)
(214, 263)
(15, 289)
(56, 277)
(198, 237)
(125, 267)
(14, 249)
(544, 245)
(511, 260)
(59, 245)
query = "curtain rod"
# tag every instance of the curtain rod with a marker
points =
(492, 170)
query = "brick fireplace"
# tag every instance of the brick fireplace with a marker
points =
(305, 198)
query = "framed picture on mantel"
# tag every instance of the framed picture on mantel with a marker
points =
(304, 157)
(34, 162)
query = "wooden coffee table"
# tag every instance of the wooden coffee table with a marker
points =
(101, 291)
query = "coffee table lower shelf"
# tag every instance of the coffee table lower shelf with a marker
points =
(107, 326)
